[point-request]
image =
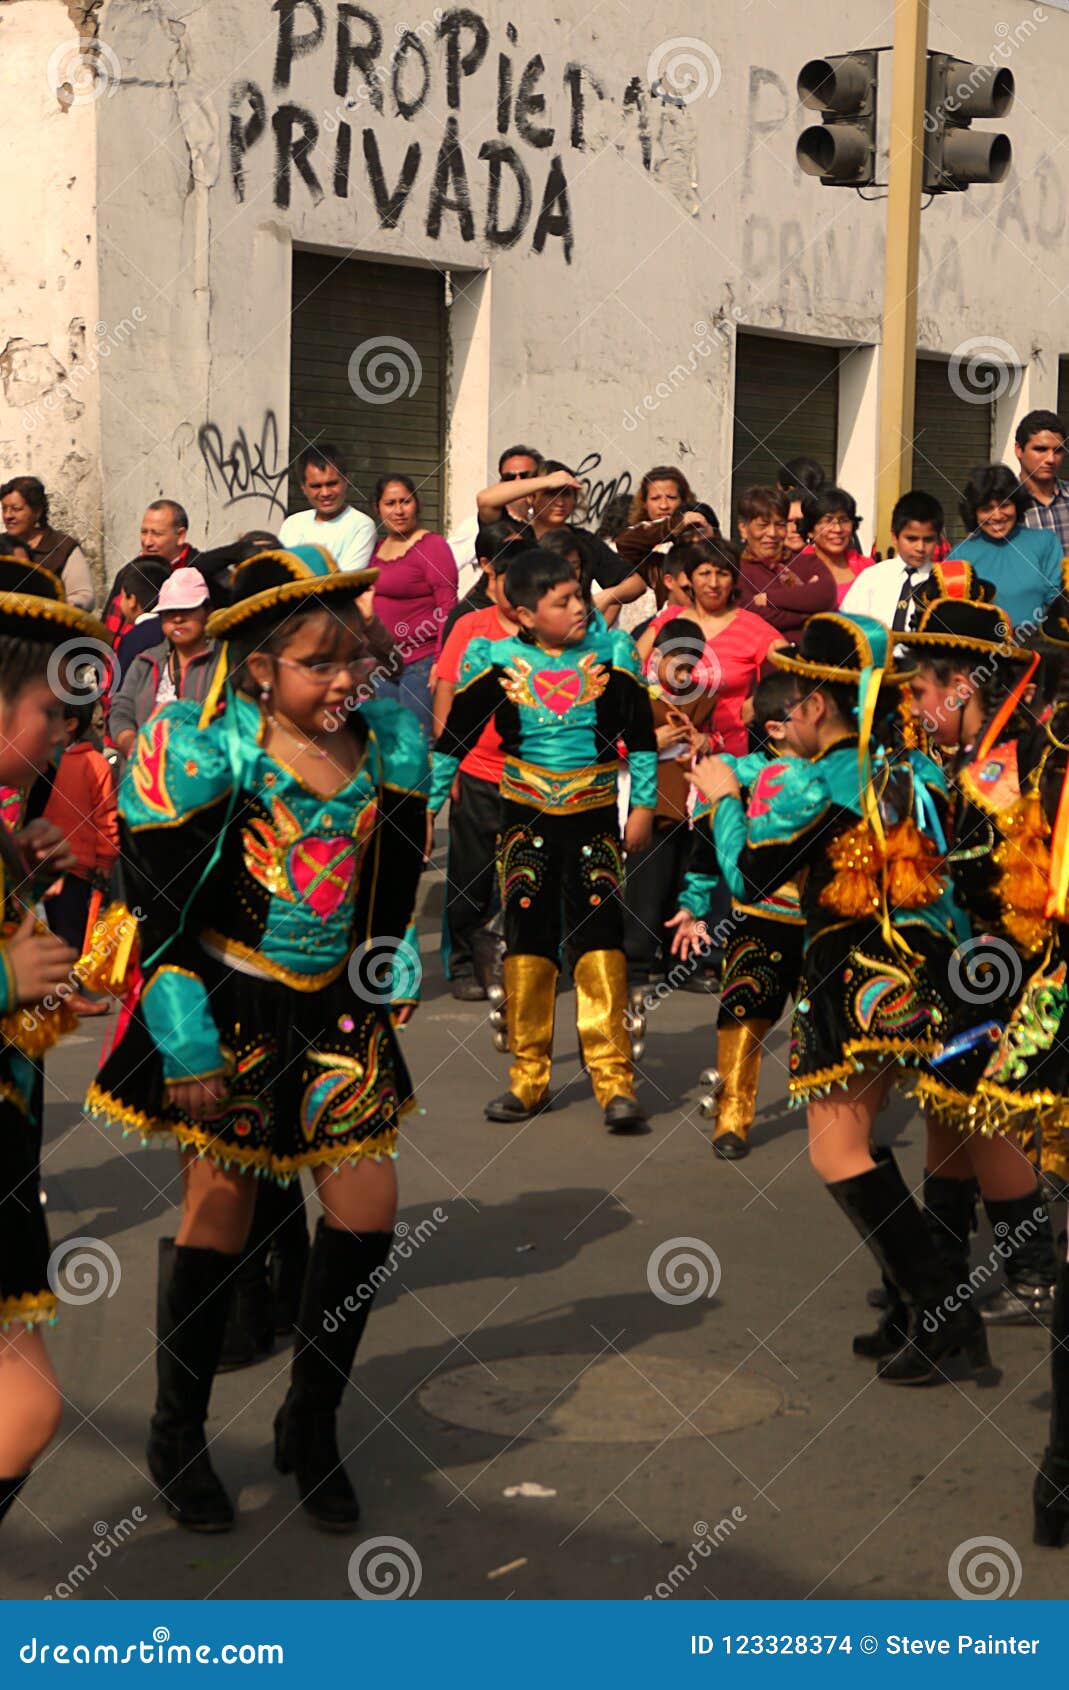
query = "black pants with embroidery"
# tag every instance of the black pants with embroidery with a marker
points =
(560, 879)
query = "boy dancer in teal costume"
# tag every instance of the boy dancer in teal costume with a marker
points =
(561, 695)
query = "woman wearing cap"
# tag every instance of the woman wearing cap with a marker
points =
(179, 667)
(288, 830)
(874, 1000)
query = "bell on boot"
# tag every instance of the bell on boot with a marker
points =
(1050, 1500)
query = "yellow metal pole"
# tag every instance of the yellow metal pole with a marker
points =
(905, 179)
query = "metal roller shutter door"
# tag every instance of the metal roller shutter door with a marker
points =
(786, 405)
(951, 436)
(342, 304)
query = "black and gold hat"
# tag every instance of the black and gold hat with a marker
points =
(33, 606)
(275, 579)
(844, 649)
(960, 615)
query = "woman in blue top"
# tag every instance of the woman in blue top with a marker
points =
(1025, 564)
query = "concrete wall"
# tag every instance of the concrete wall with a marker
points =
(629, 239)
(54, 345)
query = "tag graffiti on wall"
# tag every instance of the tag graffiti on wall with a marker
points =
(514, 185)
(244, 469)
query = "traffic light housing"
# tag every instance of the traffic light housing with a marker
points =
(956, 155)
(842, 149)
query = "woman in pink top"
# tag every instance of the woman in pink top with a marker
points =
(829, 523)
(415, 591)
(737, 642)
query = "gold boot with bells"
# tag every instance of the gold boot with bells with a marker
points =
(529, 1008)
(738, 1056)
(601, 1019)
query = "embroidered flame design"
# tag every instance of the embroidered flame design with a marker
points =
(149, 769)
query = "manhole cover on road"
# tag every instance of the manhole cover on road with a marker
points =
(557, 1396)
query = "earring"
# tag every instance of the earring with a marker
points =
(265, 696)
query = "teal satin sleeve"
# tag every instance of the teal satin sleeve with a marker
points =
(8, 992)
(643, 769)
(175, 1007)
(729, 837)
(443, 773)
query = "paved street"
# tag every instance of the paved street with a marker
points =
(732, 1438)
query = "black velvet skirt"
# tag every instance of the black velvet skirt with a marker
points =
(864, 1003)
(25, 1294)
(314, 1079)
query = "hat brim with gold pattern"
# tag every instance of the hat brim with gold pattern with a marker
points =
(33, 606)
(275, 580)
(843, 649)
(960, 615)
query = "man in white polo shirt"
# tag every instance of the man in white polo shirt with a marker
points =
(347, 534)
(888, 590)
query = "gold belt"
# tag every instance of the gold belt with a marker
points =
(591, 788)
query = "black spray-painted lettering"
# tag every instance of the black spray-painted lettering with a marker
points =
(290, 45)
(452, 25)
(597, 494)
(244, 471)
(343, 154)
(575, 76)
(296, 150)
(390, 203)
(555, 217)
(449, 172)
(362, 54)
(530, 104)
(244, 130)
(501, 155)
(408, 104)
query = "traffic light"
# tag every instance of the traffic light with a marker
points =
(842, 149)
(956, 155)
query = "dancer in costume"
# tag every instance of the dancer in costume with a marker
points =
(1051, 1489)
(762, 955)
(561, 695)
(984, 1103)
(874, 999)
(35, 622)
(274, 848)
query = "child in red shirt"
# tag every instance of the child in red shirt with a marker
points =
(84, 807)
(475, 804)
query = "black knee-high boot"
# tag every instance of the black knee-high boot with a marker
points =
(339, 1289)
(1051, 1493)
(950, 1214)
(9, 1490)
(289, 1253)
(1025, 1239)
(881, 1208)
(192, 1305)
